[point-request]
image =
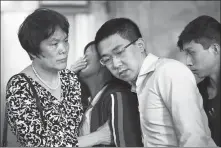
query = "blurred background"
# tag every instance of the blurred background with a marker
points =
(160, 23)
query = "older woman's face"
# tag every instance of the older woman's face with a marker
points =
(54, 51)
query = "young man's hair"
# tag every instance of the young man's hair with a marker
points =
(204, 30)
(124, 27)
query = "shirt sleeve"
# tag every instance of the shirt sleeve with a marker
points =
(124, 119)
(26, 123)
(179, 92)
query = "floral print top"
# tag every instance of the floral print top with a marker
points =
(62, 118)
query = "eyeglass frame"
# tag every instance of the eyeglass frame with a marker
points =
(123, 49)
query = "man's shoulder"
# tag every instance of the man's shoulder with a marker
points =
(166, 63)
(171, 66)
(172, 71)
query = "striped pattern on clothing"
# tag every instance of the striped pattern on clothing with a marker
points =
(118, 104)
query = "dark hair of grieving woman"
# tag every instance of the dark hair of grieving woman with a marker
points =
(110, 104)
(43, 101)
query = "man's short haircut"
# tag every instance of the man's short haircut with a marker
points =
(204, 30)
(124, 27)
(38, 26)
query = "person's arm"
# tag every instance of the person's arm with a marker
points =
(179, 92)
(26, 122)
(124, 119)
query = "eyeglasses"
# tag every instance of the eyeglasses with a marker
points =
(118, 52)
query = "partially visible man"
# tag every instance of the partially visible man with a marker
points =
(170, 105)
(200, 40)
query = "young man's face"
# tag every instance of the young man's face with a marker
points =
(123, 63)
(200, 61)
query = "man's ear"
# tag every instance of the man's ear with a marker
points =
(140, 43)
(32, 57)
(215, 48)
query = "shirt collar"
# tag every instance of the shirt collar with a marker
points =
(97, 97)
(149, 65)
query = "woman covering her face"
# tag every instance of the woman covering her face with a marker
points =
(51, 116)
(111, 117)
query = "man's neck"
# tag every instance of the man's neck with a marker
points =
(133, 82)
(214, 82)
(215, 76)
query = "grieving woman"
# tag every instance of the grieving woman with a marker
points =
(43, 100)
(111, 117)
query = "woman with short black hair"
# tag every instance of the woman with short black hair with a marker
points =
(43, 100)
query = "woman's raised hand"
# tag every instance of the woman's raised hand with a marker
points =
(79, 65)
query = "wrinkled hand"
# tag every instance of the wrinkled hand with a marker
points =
(79, 65)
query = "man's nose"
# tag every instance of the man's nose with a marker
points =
(116, 62)
(189, 61)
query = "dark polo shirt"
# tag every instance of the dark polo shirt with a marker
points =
(212, 108)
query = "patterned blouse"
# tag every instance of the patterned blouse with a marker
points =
(62, 117)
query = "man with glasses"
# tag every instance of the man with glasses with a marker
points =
(170, 105)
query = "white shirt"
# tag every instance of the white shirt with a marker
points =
(85, 129)
(170, 105)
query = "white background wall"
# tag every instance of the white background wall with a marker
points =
(161, 22)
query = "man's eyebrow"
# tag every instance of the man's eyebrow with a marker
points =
(115, 48)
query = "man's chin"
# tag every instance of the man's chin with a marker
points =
(123, 78)
(128, 79)
(199, 79)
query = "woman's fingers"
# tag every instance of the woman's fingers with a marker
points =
(78, 66)
(81, 67)
(80, 61)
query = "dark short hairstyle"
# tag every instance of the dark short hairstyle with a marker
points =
(124, 27)
(204, 30)
(38, 26)
(88, 45)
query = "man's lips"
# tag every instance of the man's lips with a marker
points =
(122, 72)
(193, 70)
